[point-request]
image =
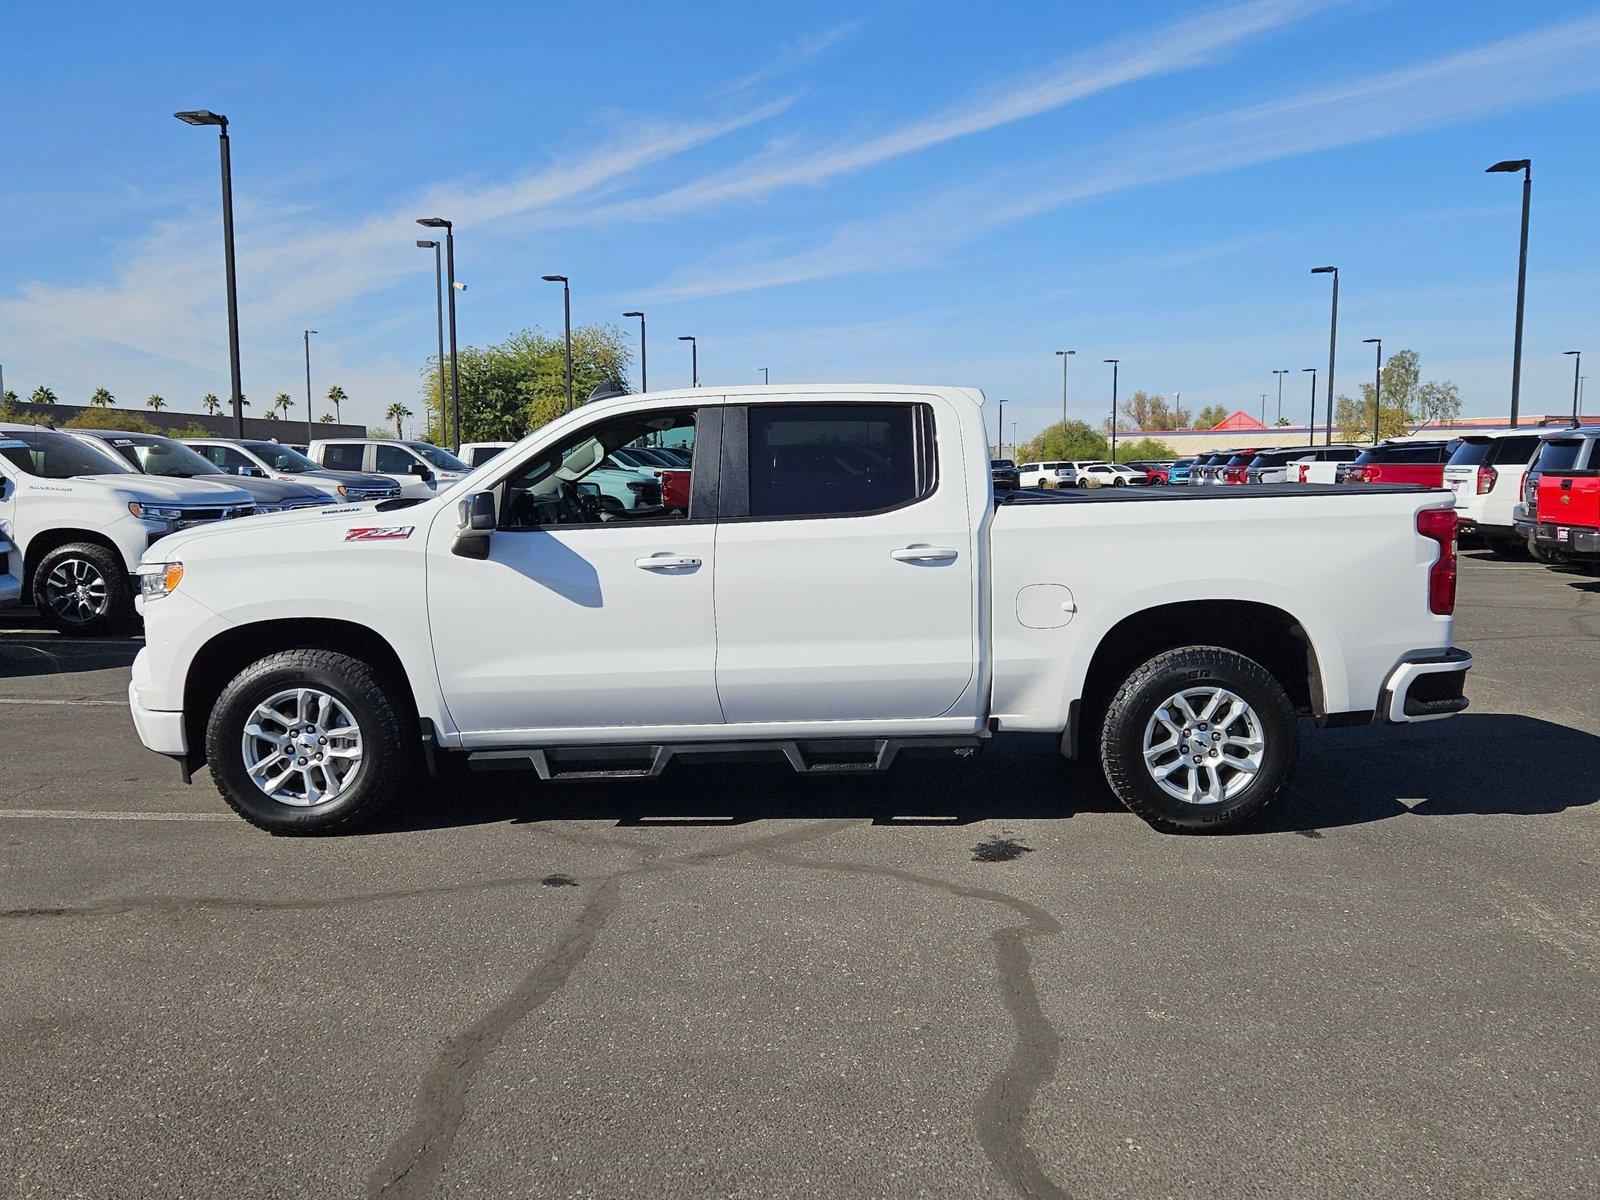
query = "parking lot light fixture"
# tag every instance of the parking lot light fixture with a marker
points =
(1064, 355)
(202, 116)
(1510, 167)
(1280, 375)
(1311, 430)
(311, 431)
(438, 312)
(566, 311)
(644, 373)
(1115, 367)
(1577, 365)
(450, 274)
(1377, 388)
(694, 359)
(766, 376)
(1333, 342)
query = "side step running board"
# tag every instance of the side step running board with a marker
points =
(810, 757)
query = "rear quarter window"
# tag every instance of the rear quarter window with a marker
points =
(1473, 453)
(1514, 450)
(1561, 455)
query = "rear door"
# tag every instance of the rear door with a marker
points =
(846, 573)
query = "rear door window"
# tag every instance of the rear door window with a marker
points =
(836, 460)
(392, 460)
(342, 457)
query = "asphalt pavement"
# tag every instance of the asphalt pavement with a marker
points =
(972, 981)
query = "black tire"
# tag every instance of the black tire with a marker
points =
(1550, 558)
(1149, 688)
(389, 753)
(1119, 481)
(106, 604)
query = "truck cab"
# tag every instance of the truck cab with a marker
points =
(420, 469)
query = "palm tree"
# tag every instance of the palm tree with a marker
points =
(211, 404)
(397, 412)
(283, 402)
(102, 398)
(337, 397)
(156, 403)
(328, 419)
(42, 395)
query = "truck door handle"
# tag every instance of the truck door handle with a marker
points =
(923, 554)
(666, 562)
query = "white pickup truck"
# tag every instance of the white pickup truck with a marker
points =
(78, 518)
(842, 590)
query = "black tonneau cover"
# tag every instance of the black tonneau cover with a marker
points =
(1181, 492)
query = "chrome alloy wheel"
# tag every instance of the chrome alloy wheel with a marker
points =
(302, 747)
(76, 591)
(1203, 745)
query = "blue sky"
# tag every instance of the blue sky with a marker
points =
(900, 192)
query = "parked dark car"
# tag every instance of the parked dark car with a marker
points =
(1005, 473)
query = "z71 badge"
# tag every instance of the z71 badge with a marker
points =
(379, 533)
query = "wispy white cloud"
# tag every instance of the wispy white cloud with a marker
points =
(796, 56)
(1541, 66)
(1182, 45)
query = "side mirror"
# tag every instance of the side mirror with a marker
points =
(476, 521)
(420, 470)
(251, 472)
(589, 497)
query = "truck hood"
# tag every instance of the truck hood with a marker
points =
(153, 489)
(299, 529)
(266, 491)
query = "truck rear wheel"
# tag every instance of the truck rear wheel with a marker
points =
(83, 588)
(1199, 738)
(308, 741)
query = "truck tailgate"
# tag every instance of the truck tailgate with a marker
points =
(1570, 498)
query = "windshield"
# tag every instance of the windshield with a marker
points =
(161, 456)
(436, 457)
(281, 458)
(49, 455)
(1472, 452)
(1001, 463)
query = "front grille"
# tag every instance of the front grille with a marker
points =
(648, 494)
(199, 516)
(366, 495)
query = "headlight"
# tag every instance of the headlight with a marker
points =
(158, 579)
(154, 512)
(343, 491)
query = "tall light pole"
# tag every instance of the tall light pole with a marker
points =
(1280, 375)
(644, 366)
(1377, 387)
(566, 312)
(1000, 430)
(1311, 430)
(311, 433)
(450, 275)
(694, 359)
(766, 376)
(1333, 342)
(1577, 365)
(1115, 367)
(1063, 355)
(438, 316)
(1263, 408)
(200, 116)
(1510, 166)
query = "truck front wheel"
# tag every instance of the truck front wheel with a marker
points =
(1199, 738)
(83, 588)
(308, 741)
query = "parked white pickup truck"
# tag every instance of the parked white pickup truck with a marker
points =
(78, 519)
(843, 590)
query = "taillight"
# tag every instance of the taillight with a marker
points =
(1305, 469)
(1439, 525)
(1487, 478)
(1523, 486)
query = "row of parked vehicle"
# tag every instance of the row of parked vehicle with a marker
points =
(79, 507)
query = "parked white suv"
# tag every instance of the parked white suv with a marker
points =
(274, 460)
(1485, 472)
(1048, 474)
(78, 519)
(1320, 464)
(422, 469)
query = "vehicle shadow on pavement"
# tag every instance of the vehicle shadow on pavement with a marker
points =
(24, 654)
(1476, 764)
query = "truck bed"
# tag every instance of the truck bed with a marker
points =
(1232, 491)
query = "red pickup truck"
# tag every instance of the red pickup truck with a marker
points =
(1566, 487)
(1402, 462)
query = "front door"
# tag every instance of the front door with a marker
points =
(845, 572)
(588, 614)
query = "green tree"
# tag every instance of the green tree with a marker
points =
(156, 403)
(328, 419)
(42, 395)
(1143, 449)
(10, 397)
(1211, 416)
(188, 431)
(397, 413)
(9, 412)
(104, 418)
(508, 389)
(1407, 401)
(211, 404)
(1072, 440)
(379, 433)
(102, 398)
(336, 397)
(1145, 411)
(283, 403)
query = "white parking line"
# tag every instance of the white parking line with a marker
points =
(68, 814)
(67, 703)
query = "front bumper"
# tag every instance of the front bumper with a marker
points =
(1569, 539)
(1425, 686)
(159, 731)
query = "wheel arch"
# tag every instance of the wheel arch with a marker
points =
(221, 659)
(1263, 632)
(46, 540)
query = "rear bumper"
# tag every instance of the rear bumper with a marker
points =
(1569, 539)
(1425, 686)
